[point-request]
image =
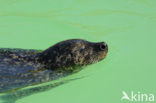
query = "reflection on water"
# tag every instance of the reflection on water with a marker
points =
(13, 96)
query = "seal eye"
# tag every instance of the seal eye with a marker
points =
(103, 46)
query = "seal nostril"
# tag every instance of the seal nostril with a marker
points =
(103, 46)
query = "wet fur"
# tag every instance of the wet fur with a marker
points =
(20, 68)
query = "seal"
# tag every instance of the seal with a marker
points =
(20, 68)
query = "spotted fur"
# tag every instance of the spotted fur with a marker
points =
(20, 68)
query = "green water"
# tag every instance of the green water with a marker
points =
(128, 26)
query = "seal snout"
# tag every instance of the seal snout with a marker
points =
(103, 46)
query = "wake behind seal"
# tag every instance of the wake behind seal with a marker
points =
(20, 68)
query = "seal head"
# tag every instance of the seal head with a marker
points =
(74, 52)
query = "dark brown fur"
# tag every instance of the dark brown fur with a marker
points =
(20, 68)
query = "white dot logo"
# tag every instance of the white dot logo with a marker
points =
(137, 96)
(125, 96)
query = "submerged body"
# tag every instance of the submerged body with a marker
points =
(20, 68)
(17, 72)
